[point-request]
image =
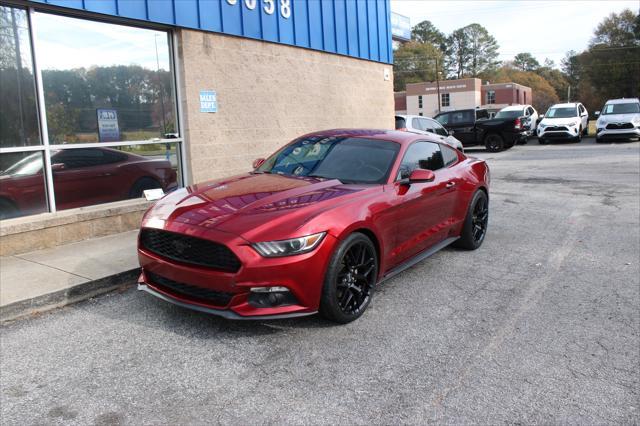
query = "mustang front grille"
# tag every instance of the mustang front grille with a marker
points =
(187, 249)
(218, 298)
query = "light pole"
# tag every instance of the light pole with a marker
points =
(438, 84)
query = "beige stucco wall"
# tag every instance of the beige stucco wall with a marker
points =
(269, 94)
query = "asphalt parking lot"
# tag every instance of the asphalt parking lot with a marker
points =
(540, 325)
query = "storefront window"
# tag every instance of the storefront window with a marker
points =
(104, 82)
(18, 113)
(106, 86)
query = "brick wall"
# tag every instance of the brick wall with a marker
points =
(269, 94)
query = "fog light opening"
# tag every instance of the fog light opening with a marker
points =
(271, 297)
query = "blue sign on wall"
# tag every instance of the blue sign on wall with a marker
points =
(400, 26)
(359, 28)
(208, 101)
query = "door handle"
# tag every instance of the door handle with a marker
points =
(451, 184)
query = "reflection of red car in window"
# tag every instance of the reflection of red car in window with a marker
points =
(81, 177)
(314, 227)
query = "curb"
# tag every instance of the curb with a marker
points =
(68, 296)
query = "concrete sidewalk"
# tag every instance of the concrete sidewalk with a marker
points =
(45, 279)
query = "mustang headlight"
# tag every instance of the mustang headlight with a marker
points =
(289, 247)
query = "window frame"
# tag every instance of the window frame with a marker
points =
(442, 97)
(398, 177)
(491, 97)
(46, 147)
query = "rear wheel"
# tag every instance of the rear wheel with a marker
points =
(141, 185)
(350, 279)
(475, 224)
(494, 142)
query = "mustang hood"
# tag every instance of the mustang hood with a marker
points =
(254, 205)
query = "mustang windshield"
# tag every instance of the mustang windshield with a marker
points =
(351, 160)
(564, 112)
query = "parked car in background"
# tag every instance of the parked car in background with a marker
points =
(315, 227)
(569, 122)
(474, 127)
(619, 119)
(426, 125)
(82, 176)
(527, 113)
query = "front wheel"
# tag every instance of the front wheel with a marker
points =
(494, 142)
(542, 141)
(475, 224)
(350, 279)
(579, 137)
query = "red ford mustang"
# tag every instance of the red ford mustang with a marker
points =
(314, 227)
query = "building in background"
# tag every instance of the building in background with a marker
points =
(100, 100)
(429, 98)
(400, 100)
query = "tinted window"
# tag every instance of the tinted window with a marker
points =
(417, 123)
(438, 129)
(462, 117)
(442, 119)
(531, 111)
(509, 114)
(449, 155)
(76, 158)
(351, 160)
(400, 123)
(630, 108)
(482, 114)
(421, 155)
(562, 112)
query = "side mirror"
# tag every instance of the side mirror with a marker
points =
(597, 113)
(57, 167)
(421, 175)
(258, 162)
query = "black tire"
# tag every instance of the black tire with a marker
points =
(475, 224)
(542, 141)
(599, 140)
(585, 131)
(347, 292)
(142, 185)
(8, 209)
(494, 142)
(579, 137)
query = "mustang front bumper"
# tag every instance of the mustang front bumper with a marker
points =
(235, 295)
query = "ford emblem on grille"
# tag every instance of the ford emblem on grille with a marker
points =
(180, 246)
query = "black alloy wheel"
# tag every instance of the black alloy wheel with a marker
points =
(350, 280)
(475, 224)
(480, 219)
(494, 142)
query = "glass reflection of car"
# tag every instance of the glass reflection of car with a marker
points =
(315, 227)
(81, 177)
(619, 120)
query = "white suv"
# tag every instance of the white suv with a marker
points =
(564, 122)
(426, 125)
(619, 119)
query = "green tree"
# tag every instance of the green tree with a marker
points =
(472, 51)
(415, 62)
(426, 32)
(617, 30)
(526, 62)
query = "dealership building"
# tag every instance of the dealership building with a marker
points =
(104, 99)
(423, 98)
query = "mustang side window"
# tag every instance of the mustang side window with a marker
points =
(421, 155)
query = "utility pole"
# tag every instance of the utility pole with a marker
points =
(568, 94)
(438, 85)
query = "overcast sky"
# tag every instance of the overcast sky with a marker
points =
(546, 29)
